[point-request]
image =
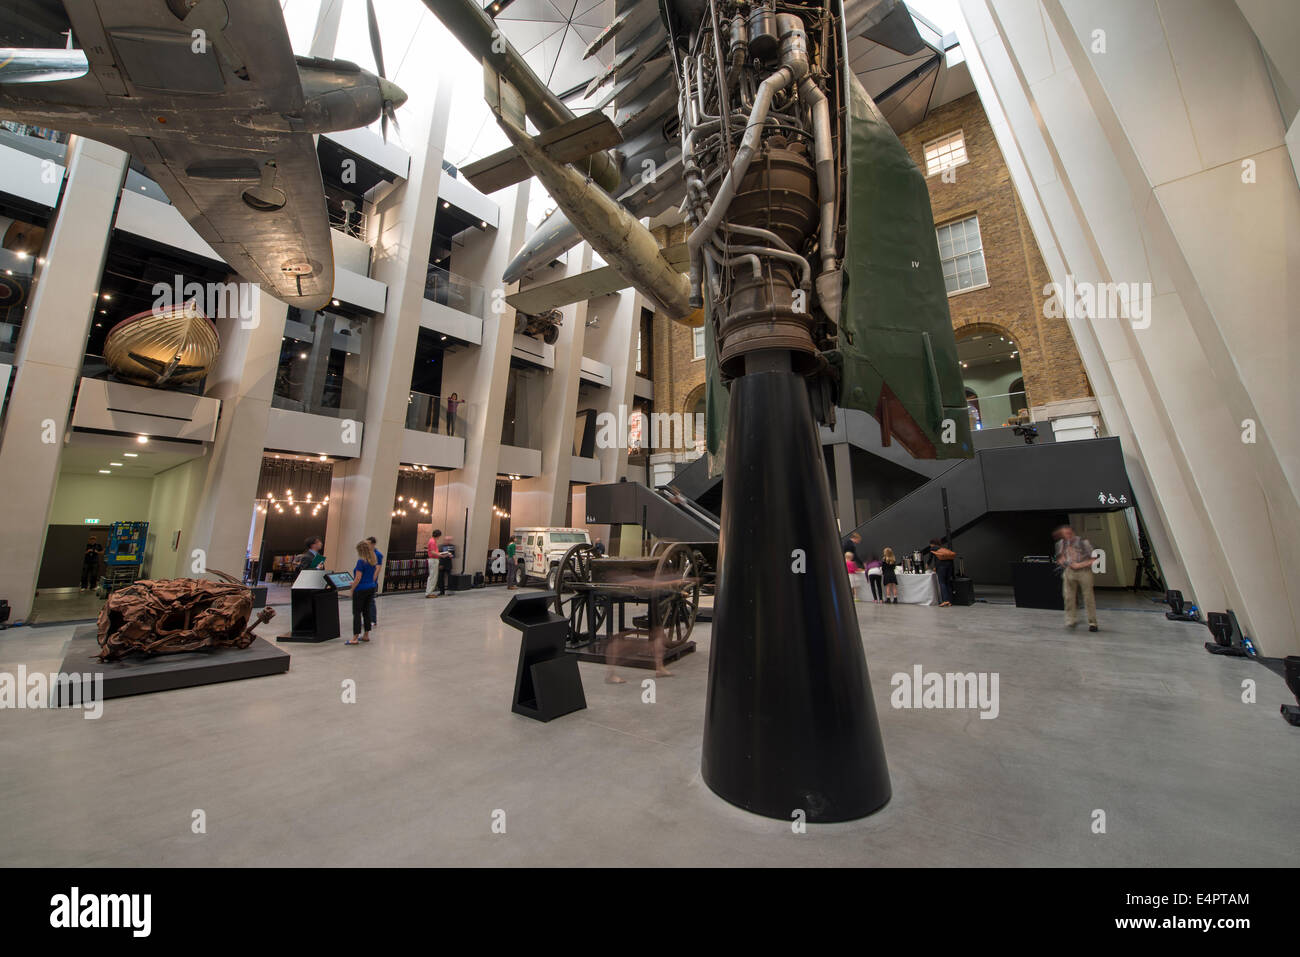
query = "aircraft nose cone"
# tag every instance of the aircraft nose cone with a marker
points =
(392, 93)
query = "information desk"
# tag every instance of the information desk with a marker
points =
(314, 605)
(922, 589)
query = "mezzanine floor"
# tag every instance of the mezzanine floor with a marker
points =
(1137, 721)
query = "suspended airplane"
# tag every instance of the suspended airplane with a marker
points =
(208, 96)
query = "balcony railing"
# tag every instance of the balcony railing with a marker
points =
(447, 288)
(439, 415)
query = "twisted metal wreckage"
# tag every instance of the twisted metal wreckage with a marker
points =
(173, 616)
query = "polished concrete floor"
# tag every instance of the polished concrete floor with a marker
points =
(1136, 721)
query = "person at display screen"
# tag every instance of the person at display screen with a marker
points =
(90, 563)
(363, 592)
(447, 551)
(1074, 556)
(889, 576)
(435, 554)
(314, 556)
(379, 569)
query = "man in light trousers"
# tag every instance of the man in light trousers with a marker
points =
(1074, 555)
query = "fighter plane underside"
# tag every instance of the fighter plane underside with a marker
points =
(209, 97)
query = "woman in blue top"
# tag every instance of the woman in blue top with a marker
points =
(363, 590)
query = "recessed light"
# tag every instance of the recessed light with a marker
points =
(107, 297)
(445, 204)
(105, 472)
(115, 463)
(132, 455)
(334, 302)
(142, 439)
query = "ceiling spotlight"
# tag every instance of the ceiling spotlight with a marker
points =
(115, 463)
(323, 458)
(302, 355)
(446, 205)
(21, 255)
(482, 224)
(334, 302)
(132, 455)
(105, 472)
(142, 439)
(108, 297)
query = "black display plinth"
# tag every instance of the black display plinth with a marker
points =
(313, 608)
(547, 682)
(790, 722)
(1037, 585)
(137, 675)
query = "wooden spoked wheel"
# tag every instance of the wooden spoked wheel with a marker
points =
(570, 601)
(675, 600)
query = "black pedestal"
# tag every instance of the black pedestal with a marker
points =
(790, 722)
(314, 613)
(547, 683)
(1037, 585)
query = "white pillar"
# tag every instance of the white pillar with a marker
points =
(1201, 206)
(48, 361)
(543, 499)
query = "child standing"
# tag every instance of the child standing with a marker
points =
(873, 576)
(889, 576)
(854, 575)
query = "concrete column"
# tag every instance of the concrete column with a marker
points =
(362, 493)
(479, 376)
(844, 510)
(543, 499)
(613, 341)
(244, 380)
(48, 360)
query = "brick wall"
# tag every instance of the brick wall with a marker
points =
(1013, 301)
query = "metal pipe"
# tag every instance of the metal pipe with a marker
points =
(727, 191)
(775, 254)
(755, 264)
(759, 233)
(821, 122)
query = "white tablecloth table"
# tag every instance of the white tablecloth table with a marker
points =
(920, 589)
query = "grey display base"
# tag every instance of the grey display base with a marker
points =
(138, 675)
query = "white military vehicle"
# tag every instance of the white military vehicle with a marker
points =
(542, 549)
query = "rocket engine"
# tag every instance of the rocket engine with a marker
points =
(759, 86)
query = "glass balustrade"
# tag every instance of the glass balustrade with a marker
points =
(441, 415)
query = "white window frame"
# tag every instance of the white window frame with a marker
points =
(979, 233)
(638, 350)
(944, 144)
(697, 343)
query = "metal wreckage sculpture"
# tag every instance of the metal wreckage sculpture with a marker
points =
(173, 616)
(812, 261)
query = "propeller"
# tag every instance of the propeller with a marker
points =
(393, 95)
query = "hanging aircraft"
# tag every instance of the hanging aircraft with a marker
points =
(208, 96)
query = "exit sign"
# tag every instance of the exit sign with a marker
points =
(92, 521)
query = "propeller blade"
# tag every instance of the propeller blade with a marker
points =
(375, 46)
(383, 123)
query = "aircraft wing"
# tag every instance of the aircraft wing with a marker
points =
(254, 195)
(261, 209)
(145, 50)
